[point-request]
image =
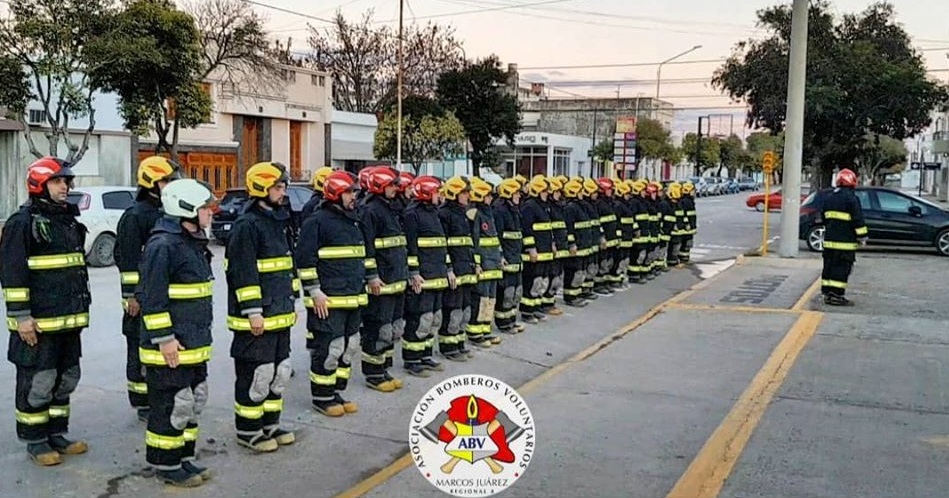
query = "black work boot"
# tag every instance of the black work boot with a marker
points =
(43, 454)
(67, 447)
(417, 370)
(194, 468)
(180, 478)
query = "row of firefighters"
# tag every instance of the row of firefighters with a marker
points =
(381, 260)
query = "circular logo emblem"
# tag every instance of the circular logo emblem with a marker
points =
(472, 435)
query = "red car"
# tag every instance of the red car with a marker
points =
(774, 201)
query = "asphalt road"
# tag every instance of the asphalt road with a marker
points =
(727, 227)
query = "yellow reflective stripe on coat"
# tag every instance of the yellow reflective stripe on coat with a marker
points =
(17, 295)
(413, 260)
(627, 220)
(274, 264)
(137, 387)
(394, 288)
(837, 215)
(308, 274)
(341, 302)
(190, 434)
(562, 253)
(341, 252)
(491, 275)
(529, 240)
(128, 277)
(690, 212)
(56, 261)
(512, 268)
(558, 225)
(56, 323)
(607, 218)
(248, 293)
(467, 279)
(489, 242)
(296, 285)
(187, 357)
(581, 224)
(537, 227)
(840, 246)
(861, 231)
(276, 322)
(164, 442)
(370, 264)
(157, 321)
(541, 256)
(670, 218)
(435, 284)
(190, 291)
(428, 242)
(512, 235)
(389, 242)
(460, 241)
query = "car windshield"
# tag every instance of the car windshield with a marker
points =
(233, 200)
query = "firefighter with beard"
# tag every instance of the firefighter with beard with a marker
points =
(667, 225)
(175, 294)
(627, 232)
(539, 249)
(387, 272)
(46, 289)
(428, 276)
(688, 236)
(261, 301)
(655, 229)
(134, 228)
(319, 178)
(556, 206)
(330, 258)
(591, 285)
(488, 258)
(507, 216)
(456, 302)
(579, 244)
(641, 243)
(399, 203)
(609, 227)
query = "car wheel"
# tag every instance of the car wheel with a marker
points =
(815, 239)
(942, 242)
(759, 206)
(101, 253)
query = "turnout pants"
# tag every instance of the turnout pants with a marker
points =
(672, 251)
(176, 397)
(685, 250)
(605, 260)
(536, 281)
(621, 263)
(262, 368)
(483, 299)
(134, 371)
(46, 375)
(398, 328)
(837, 267)
(423, 317)
(456, 313)
(592, 265)
(574, 275)
(510, 292)
(637, 262)
(378, 333)
(555, 286)
(333, 344)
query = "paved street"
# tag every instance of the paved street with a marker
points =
(727, 227)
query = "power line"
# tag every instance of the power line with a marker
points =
(479, 11)
(632, 64)
(288, 11)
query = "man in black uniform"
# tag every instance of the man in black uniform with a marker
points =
(456, 303)
(319, 178)
(579, 243)
(261, 301)
(488, 258)
(387, 273)
(46, 289)
(556, 206)
(175, 295)
(609, 228)
(637, 258)
(330, 259)
(507, 216)
(538, 249)
(845, 231)
(688, 236)
(591, 191)
(134, 228)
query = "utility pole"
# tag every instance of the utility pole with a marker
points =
(398, 136)
(698, 149)
(794, 138)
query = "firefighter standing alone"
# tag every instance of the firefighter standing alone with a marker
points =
(844, 232)
(46, 289)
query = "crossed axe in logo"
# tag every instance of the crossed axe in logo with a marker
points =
(511, 431)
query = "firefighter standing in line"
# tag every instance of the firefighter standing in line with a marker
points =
(387, 273)
(845, 231)
(319, 178)
(400, 202)
(591, 288)
(667, 222)
(641, 243)
(330, 259)
(655, 229)
(609, 226)
(579, 243)
(456, 302)
(626, 229)
(679, 226)
(46, 289)
(487, 246)
(539, 249)
(688, 236)
(175, 295)
(429, 277)
(261, 301)
(132, 233)
(507, 216)
(556, 206)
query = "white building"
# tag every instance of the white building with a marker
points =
(352, 137)
(537, 152)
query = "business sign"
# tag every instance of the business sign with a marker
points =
(915, 165)
(626, 124)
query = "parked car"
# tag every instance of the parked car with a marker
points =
(99, 210)
(774, 200)
(232, 202)
(893, 218)
(747, 183)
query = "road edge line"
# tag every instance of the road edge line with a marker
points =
(403, 462)
(807, 296)
(706, 475)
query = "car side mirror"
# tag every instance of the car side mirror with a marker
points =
(915, 210)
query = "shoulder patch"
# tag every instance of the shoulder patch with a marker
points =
(471, 213)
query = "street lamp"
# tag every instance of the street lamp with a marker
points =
(670, 59)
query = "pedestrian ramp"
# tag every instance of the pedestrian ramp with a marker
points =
(758, 283)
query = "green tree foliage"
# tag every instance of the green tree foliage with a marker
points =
(863, 77)
(603, 152)
(43, 66)
(153, 60)
(429, 132)
(710, 155)
(486, 107)
(880, 155)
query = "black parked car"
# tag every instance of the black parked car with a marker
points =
(234, 199)
(893, 219)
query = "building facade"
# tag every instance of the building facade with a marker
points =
(353, 135)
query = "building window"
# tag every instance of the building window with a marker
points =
(561, 162)
(317, 80)
(527, 161)
(37, 116)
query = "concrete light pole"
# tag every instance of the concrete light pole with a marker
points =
(794, 138)
(659, 74)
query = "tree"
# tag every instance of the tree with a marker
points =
(363, 60)
(429, 132)
(732, 155)
(43, 64)
(710, 155)
(863, 77)
(652, 139)
(603, 152)
(486, 107)
(153, 60)
(880, 155)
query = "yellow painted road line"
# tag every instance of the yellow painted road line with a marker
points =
(405, 461)
(808, 295)
(736, 309)
(706, 475)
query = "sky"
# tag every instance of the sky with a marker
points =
(541, 36)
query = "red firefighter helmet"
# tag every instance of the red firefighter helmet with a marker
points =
(42, 170)
(846, 178)
(380, 178)
(405, 180)
(364, 176)
(425, 188)
(338, 183)
(604, 183)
